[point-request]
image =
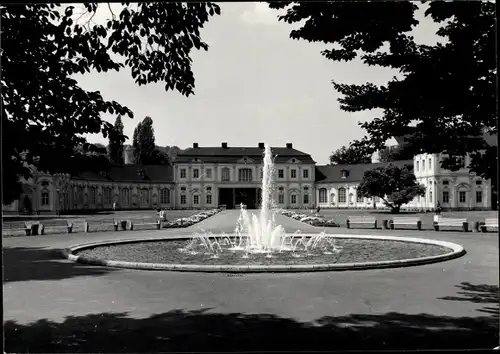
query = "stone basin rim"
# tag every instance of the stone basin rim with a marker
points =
(455, 252)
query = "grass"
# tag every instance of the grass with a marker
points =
(351, 251)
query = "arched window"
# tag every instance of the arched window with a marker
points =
(107, 195)
(125, 196)
(144, 196)
(45, 197)
(323, 195)
(342, 195)
(165, 196)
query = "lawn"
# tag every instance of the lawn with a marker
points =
(340, 215)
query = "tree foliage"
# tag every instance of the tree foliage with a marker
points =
(45, 112)
(446, 90)
(116, 140)
(395, 153)
(349, 155)
(394, 185)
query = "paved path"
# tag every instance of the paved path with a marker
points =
(59, 306)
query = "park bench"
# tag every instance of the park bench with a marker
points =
(143, 223)
(362, 220)
(101, 225)
(451, 222)
(54, 226)
(406, 221)
(12, 228)
(490, 224)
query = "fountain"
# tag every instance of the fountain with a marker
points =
(259, 245)
(259, 233)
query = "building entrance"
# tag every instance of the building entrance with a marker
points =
(233, 197)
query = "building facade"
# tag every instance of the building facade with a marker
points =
(209, 177)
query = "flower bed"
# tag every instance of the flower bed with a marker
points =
(186, 222)
(309, 219)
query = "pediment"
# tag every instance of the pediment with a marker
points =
(294, 160)
(246, 159)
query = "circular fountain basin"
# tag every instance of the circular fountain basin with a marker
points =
(362, 252)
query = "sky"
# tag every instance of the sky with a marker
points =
(253, 85)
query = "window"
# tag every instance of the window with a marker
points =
(196, 173)
(462, 197)
(165, 196)
(430, 164)
(479, 182)
(322, 195)
(245, 175)
(45, 198)
(209, 189)
(183, 199)
(144, 196)
(183, 173)
(225, 174)
(479, 196)
(446, 197)
(306, 188)
(430, 196)
(305, 173)
(281, 198)
(183, 189)
(125, 196)
(342, 195)
(445, 183)
(92, 195)
(196, 199)
(281, 173)
(107, 195)
(306, 198)
(281, 189)
(343, 174)
(208, 172)
(209, 199)
(293, 199)
(293, 173)
(416, 166)
(261, 173)
(359, 197)
(423, 165)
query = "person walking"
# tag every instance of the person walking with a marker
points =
(318, 210)
(438, 208)
(114, 206)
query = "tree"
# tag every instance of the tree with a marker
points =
(349, 155)
(116, 140)
(446, 90)
(395, 153)
(394, 185)
(45, 111)
(145, 150)
(135, 143)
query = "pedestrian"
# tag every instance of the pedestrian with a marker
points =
(114, 206)
(318, 210)
(438, 208)
(164, 217)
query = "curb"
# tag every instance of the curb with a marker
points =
(456, 251)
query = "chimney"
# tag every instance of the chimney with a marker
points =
(289, 145)
(128, 155)
(224, 145)
(261, 145)
(195, 145)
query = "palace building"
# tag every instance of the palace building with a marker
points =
(210, 177)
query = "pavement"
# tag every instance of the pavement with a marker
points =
(53, 305)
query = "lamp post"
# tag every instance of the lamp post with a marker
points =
(58, 204)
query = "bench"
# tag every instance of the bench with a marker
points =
(406, 221)
(55, 226)
(362, 220)
(100, 225)
(489, 224)
(143, 223)
(451, 222)
(16, 227)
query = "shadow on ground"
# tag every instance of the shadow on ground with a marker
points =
(206, 331)
(37, 263)
(479, 294)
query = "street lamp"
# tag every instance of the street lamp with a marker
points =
(58, 204)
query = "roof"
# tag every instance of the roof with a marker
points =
(129, 173)
(233, 154)
(333, 173)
